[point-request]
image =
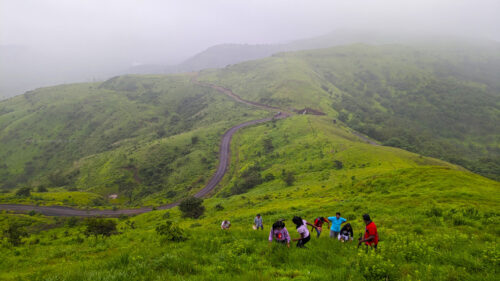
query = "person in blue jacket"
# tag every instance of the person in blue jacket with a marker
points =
(337, 221)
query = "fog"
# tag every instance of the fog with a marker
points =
(45, 42)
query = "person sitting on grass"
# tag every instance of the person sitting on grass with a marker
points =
(279, 233)
(302, 230)
(337, 221)
(318, 222)
(371, 234)
(346, 233)
(225, 225)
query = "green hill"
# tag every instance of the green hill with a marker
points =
(436, 221)
(152, 134)
(154, 140)
(437, 100)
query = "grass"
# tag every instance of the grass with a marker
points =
(436, 221)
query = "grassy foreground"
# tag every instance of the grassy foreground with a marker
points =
(436, 221)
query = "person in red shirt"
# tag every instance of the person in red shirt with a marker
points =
(371, 234)
(318, 223)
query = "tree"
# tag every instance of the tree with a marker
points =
(100, 227)
(192, 207)
(24, 192)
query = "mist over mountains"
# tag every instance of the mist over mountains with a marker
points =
(24, 68)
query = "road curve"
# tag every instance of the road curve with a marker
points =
(224, 156)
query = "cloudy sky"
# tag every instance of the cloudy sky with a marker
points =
(149, 31)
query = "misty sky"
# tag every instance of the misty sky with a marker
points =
(154, 31)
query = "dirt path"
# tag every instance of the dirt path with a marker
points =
(224, 156)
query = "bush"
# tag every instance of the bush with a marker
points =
(192, 207)
(289, 178)
(100, 227)
(72, 221)
(269, 177)
(14, 233)
(42, 188)
(338, 164)
(24, 192)
(171, 232)
(219, 207)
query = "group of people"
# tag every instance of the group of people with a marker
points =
(280, 234)
(339, 228)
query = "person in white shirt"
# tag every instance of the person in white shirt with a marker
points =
(302, 230)
(225, 224)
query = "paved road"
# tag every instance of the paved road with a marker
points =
(224, 157)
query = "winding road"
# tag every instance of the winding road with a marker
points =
(224, 156)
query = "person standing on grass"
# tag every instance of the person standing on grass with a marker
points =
(318, 223)
(346, 233)
(371, 234)
(302, 230)
(257, 221)
(337, 221)
(279, 233)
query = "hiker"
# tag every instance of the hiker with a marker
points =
(371, 234)
(257, 222)
(318, 222)
(225, 225)
(346, 233)
(337, 221)
(302, 230)
(279, 233)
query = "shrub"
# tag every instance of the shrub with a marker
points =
(170, 232)
(338, 164)
(219, 207)
(24, 192)
(100, 227)
(289, 178)
(71, 221)
(42, 188)
(434, 212)
(32, 213)
(268, 145)
(192, 207)
(458, 219)
(14, 233)
(269, 177)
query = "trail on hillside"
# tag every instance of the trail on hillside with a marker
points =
(224, 156)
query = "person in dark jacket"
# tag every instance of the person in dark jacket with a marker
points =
(346, 233)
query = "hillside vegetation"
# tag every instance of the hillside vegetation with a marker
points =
(439, 100)
(436, 221)
(134, 136)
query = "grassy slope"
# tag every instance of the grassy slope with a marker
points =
(94, 137)
(440, 101)
(436, 221)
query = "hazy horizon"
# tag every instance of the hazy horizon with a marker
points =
(70, 41)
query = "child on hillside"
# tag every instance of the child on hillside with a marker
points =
(302, 230)
(279, 233)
